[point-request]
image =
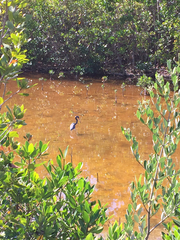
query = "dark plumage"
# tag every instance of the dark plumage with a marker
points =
(73, 125)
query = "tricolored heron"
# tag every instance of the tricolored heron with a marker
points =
(73, 125)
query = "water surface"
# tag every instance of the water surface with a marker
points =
(98, 141)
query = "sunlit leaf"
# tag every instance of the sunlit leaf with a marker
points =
(65, 152)
(89, 237)
(1, 100)
(44, 147)
(24, 94)
(13, 134)
(138, 114)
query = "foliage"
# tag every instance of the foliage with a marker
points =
(102, 37)
(157, 189)
(123, 87)
(11, 40)
(11, 61)
(173, 233)
(58, 206)
(78, 70)
(115, 231)
(144, 82)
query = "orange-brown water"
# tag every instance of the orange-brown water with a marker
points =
(98, 141)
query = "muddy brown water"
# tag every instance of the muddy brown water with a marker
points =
(98, 141)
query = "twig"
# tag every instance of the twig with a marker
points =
(159, 223)
(4, 91)
(10, 97)
(71, 156)
(153, 184)
(6, 131)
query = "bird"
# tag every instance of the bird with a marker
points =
(73, 125)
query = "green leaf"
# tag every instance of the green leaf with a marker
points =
(81, 183)
(138, 114)
(139, 211)
(3, 125)
(161, 160)
(30, 148)
(61, 153)
(24, 94)
(44, 147)
(13, 134)
(58, 159)
(9, 92)
(142, 120)
(89, 237)
(155, 85)
(31, 167)
(65, 152)
(52, 219)
(33, 85)
(136, 218)
(150, 124)
(39, 164)
(177, 222)
(62, 181)
(150, 113)
(10, 25)
(135, 144)
(9, 114)
(129, 208)
(87, 207)
(1, 100)
(40, 144)
(72, 202)
(20, 122)
(20, 164)
(86, 217)
(97, 229)
(169, 64)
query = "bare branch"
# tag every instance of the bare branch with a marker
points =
(10, 97)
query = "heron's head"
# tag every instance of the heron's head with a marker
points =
(77, 118)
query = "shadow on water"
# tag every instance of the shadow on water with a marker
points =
(98, 141)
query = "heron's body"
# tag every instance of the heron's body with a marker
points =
(73, 125)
